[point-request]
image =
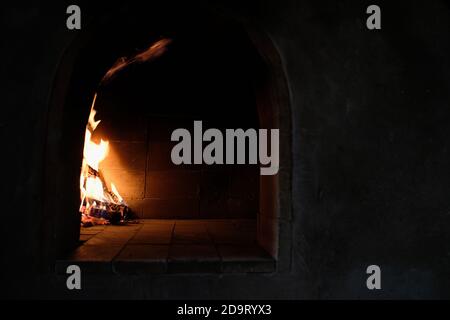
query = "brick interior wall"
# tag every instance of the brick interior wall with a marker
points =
(139, 165)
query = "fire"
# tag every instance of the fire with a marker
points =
(114, 190)
(94, 153)
(96, 200)
(100, 204)
(94, 188)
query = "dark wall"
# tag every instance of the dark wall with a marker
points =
(370, 177)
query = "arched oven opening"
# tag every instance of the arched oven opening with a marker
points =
(120, 93)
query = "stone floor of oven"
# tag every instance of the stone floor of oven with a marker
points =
(171, 246)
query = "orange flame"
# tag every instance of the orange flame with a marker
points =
(116, 193)
(92, 191)
(91, 186)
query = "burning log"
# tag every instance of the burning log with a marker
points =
(99, 212)
(108, 207)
